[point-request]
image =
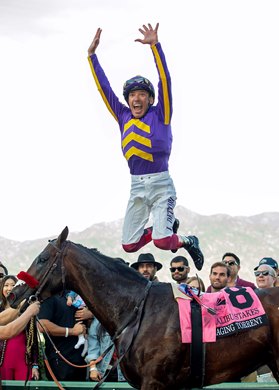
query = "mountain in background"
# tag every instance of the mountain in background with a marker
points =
(251, 238)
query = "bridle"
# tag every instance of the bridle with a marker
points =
(130, 326)
(60, 253)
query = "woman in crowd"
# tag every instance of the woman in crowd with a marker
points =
(19, 354)
(98, 341)
(195, 281)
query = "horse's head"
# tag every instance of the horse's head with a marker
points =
(43, 277)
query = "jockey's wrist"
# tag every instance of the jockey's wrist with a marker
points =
(66, 332)
(93, 369)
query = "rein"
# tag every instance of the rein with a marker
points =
(57, 351)
(136, 316)
(130, 333)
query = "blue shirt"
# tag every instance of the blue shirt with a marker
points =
(97, 344)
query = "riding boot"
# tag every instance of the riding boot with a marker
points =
(191, 244)
(175, 227)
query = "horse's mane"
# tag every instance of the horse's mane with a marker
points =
(111, 263)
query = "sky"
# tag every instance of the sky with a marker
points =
(60, 156)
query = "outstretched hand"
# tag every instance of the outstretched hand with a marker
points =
(95, 43)
(150, 35)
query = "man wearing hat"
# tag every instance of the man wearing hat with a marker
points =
(147, 266)
(273, 263)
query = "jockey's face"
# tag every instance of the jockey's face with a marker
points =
(139, 102)
(147, 270)
(218, 278)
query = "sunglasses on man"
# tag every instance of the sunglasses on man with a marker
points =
(230, 263)
(264, 273)
(179, 269)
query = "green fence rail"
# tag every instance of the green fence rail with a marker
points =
(48, 385)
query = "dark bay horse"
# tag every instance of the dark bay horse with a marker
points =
(121, 298)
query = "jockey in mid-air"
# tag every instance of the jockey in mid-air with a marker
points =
(146, 144)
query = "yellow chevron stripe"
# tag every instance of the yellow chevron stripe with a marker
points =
(135, 137)
(139, 124)
(100, 90)
(137, 152)
(165, 84)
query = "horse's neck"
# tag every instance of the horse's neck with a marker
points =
(114, 302)
(111, 296)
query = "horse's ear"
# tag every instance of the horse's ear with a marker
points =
(63, 236)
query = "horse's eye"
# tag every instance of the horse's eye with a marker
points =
(43, 258)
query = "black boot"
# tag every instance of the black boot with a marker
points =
(175, 228)
(192, 247)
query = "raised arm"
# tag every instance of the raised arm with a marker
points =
(8, 315)
(95, 43)
(150, 35)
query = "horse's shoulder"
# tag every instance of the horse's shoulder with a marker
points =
(269, 298)
(162, 287)
(161, 294)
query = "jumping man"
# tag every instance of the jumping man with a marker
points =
(146, 144)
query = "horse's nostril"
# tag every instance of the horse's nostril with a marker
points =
(11, 297)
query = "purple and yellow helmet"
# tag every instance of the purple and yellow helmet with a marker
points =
(136, 83)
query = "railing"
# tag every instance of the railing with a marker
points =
(47, 385)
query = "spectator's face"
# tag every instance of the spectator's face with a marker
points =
(265, 276)
(194, 283)
(232, 264)
(218, 277)
(179, 271)
(8, 286)
(147, 270)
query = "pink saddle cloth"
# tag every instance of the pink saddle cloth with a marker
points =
(237, 309)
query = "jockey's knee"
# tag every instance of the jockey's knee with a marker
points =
(163, 243)
(130, 247)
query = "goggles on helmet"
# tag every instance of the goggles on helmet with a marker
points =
(136, 83)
